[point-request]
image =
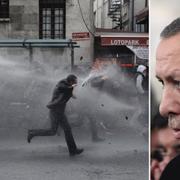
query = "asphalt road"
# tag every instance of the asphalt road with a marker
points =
(122, 156)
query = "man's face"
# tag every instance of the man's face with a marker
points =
(168, 73)
(74, 82)
(169, 146)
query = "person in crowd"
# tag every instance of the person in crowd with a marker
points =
(141, 82)
(164, 146)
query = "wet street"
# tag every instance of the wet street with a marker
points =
(122, 156)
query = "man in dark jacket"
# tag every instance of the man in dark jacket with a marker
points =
(61, 95)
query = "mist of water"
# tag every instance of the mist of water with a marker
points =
(114, 104)
(26, 88)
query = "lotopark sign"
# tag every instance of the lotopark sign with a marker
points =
(124, 41)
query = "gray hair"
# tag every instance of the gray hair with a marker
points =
(172, 29)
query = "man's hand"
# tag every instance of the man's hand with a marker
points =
(74, 85)
(155, 170)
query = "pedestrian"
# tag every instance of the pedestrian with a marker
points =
(142, 79)
(61, 95)
(168, 73)
(142, 94)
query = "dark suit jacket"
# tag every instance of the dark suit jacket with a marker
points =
(172, 170)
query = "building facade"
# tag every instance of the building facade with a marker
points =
(48, 19)
(28, 75)
(124, 15)
(123, 35)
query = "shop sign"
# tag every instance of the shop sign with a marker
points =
(78, 36)
(124, 41)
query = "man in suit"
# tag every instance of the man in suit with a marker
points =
(168, 73)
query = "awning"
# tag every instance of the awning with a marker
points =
(141, 52)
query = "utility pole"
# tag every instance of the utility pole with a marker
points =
(131, 15)
(120, 16)
(146, 3)
(92, 27)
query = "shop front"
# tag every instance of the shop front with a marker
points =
(127, 50)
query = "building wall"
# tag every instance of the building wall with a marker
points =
(23, 20)
(138, 5)
(101, 18)
(24, 24)
(97, 9)
(101, 10)
(75, 24)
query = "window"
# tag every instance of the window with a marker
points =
(4, 9)
(126, 1)
(52, 19)
(142, 27)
